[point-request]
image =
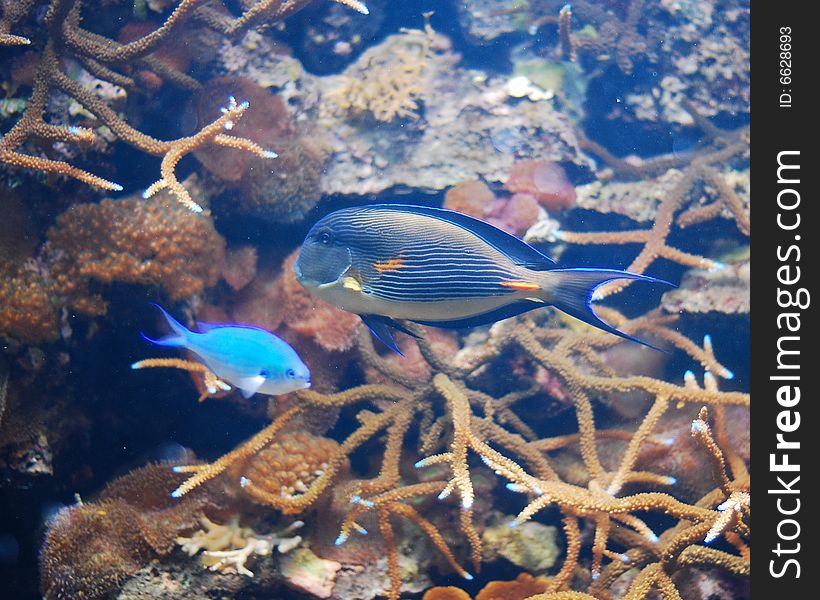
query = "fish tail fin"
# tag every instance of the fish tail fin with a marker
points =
(179, 337)
(571, 291)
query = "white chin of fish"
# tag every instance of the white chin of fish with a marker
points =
(269, 387)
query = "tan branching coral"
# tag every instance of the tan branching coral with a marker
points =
(211, 383)
(106, 60)
(681, 206)
(276, 10)
(459, 418)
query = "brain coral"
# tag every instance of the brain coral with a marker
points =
(286, 468)
(152, 242)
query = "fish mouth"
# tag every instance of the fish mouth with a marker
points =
(321, 267)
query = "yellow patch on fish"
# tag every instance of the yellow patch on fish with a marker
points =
(351, 283)
(394, 264)
(521, 285)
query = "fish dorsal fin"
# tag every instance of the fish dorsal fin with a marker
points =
(206, 327)
(250, 385)
(519, 251)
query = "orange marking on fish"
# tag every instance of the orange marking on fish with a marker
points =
(394, 264)
(521, 285)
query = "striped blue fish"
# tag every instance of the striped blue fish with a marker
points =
(438, 267)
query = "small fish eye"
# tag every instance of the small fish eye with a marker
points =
(324, 237)
(290, 374)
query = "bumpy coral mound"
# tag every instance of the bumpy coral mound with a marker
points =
(445, 593)
(26, 311)
(469, 197)
(92, 548)
(545, 181)
(514, 214)
(281, 190)
(152, 242)
(523, 586)
(285, 469)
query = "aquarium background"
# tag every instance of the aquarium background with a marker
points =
(606, 133)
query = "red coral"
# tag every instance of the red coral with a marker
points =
(545, 181)
(240, 267)
(470, 197)
(281, 190)
(523, 586)
(515, 214)
(412, 364)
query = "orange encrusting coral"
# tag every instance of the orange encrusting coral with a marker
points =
(151, 242)
(27, 313)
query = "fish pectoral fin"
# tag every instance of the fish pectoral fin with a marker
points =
(351, 283)
(250, 385)
(381, 327)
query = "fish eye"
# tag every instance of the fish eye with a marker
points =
(324, 237)
(290, 374)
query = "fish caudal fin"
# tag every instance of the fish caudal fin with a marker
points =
(177, 339)
(571, 291)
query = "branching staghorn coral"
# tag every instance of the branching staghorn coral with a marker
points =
(210, 381)
(680, 207)
(105, 59)
(457, 419)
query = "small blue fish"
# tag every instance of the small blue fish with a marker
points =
(438, 267)
(252, 359)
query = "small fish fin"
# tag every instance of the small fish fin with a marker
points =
(518, 250)
(250, 385)
(173, 340)
(499, 314)
(381, 326)
(179, 337)
(571, 291)
(177, 327)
